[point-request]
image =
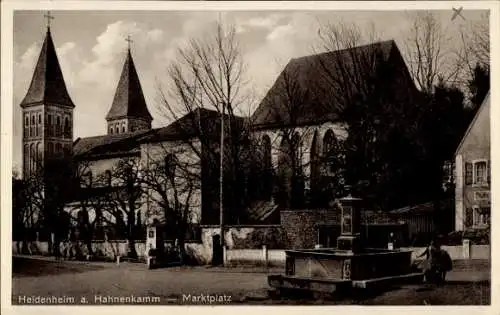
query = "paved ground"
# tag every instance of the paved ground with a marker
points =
(468, 284)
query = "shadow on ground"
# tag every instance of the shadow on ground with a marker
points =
(452, 293)
(27, 267)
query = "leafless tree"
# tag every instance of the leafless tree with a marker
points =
(93, 197)
(47, 188)
(430, 56)
(126, 198)
(475, 37)
(173, 184)
(208, 75)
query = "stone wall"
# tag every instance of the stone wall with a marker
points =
(300, 226)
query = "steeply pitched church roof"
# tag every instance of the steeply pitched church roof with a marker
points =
(302, 93)
(193, 124)
(129, 99)
(47, 84)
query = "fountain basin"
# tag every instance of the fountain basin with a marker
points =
(329, 269)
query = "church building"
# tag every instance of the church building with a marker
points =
(298, 127)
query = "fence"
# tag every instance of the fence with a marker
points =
(276, 257)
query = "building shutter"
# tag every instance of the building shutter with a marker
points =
(469, 217)
(468, 173)
(488, 171)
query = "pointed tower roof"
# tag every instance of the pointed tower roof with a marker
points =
(47, 84)
(129, 99)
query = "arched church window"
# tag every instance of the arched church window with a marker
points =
(26, 159)
(39, 127)
(123, 129)
(39, 153)
(268, 167)
(26, 126)
(50, 126)
(329, 150)
(32, 158)
(32, 126)
(67, 130)
(58, 126)
(315, 170)
(296, 152)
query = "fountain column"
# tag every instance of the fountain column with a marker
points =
(350, 222)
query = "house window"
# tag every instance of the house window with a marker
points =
(480, 171)
(449, 172)
(481, 216)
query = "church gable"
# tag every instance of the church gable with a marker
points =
(304, 94)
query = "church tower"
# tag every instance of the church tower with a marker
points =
(47, 112)
(129, 112)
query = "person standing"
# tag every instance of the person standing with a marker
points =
(391, 244)
(431, 263)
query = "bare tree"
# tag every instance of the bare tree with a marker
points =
(48, 187)
(430, 56)
(208, 75)
(475, 37)
(173, 184)
(127, 198)
(93, 197)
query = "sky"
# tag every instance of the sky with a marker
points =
(91, 48)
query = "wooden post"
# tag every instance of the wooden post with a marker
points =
(224, 255)
(466, 249)
(117, 260)
(265, 255)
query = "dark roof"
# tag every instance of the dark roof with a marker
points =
(47, 84)
(302, 94)
(186, 127)
(424, 208)
(129, 99)
(126, 143)
(193, 124)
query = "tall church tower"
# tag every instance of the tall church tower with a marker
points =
(47, 112)
(129, 112)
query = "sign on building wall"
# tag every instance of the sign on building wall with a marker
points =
(482, 195)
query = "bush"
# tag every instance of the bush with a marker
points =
(476, 236)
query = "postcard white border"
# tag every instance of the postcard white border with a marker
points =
(7, 9)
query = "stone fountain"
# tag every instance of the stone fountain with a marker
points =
(349, 265)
